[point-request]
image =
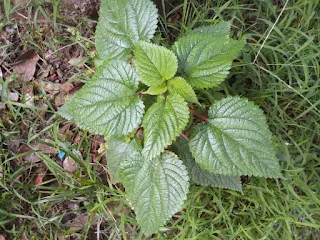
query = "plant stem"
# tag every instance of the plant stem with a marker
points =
(184, 136)
(202, 117)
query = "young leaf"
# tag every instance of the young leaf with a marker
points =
(123, 23)
(119, 152)
(162, 123)
(205, 61)
(235, 141)
(155, 188)
(155, 64)
(156, 90)
(221, 29)
(201, 176)
(180, 86)
(107, 104)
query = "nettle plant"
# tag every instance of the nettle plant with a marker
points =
(141, 98)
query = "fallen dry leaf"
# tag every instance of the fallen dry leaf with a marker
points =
(60, 73)
(80, 221)
(66, 87)
(27, 68)
(64, 95)
(64, 128)
(95, 157)
(67, 135)
(53, 77)
(31, 150)
(39, 179)
(72, 205)
(76, 62)
(40, 174)
(45, 107)
(44, 71)
(61, 98)
(14, 97)
(31, 156)
(65, 132)
(14, 145)
(50, 87)
(28, 95)
(97, 141)
(69, 164)
(24, 128)
(21, 3)
(77, 139)
(44, 148)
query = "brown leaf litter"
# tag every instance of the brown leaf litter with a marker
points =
(27, 68)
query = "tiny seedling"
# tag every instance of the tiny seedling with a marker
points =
(143, 99)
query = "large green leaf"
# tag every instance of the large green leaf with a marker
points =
(235, 141)
(201, 176)
(221, 29)
(117, 153)
(121, 24)
(163, 122)
(155, 64)
(204, 61)
(156, 189)
(156, 90)
(180, 86)
(107, 104)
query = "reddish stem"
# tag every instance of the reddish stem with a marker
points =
(184, 136)
(202, 117)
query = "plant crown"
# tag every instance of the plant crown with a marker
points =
(140, 99)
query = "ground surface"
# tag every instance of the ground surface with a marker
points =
(53, 177)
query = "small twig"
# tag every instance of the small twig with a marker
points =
(202, 117)
(184, 136)
(21, 15)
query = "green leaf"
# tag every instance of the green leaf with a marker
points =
(156, 90)
(108, 104)
(180, 86)
(156, 189)
(162, 123)
(155, 64)
(117, 153)
(201, 176)
(204, 61)
(123, 23)
(221, 29)
(235, 141)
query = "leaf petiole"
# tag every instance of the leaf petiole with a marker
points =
(195, 113)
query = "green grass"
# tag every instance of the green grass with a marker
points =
(284, 80)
